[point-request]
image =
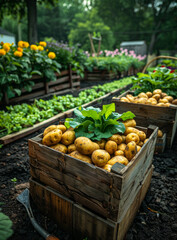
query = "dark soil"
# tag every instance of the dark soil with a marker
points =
(156, 218)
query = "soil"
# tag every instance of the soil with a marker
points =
(156, 218)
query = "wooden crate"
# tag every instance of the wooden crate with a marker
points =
(97, 75)
(164, 117)
(160, 144)
(79, 221)
(107, 194)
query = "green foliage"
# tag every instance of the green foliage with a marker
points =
(18, 117)
(159, 78)
(5, 226)
(96, 124)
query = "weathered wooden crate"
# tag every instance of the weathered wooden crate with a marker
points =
(97, 75)
(79, 221)
(160, 144)
(163, 117)
(108, 194)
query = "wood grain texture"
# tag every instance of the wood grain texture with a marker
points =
(160, 144)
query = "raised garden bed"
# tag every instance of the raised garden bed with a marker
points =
(163, 117)
(114, 196)
(96, 75)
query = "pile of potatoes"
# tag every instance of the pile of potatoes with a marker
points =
(105, 153)
(157, 97)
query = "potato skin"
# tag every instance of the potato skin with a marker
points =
(132, 137)
(61, 127)
(140, 144)
(159, 134)
(130, 130)
(101, 143)
(130, 150)
(164, 100)
(68, 137)
(49, 129)
(149, 94)
(107, 167)
(119, 153)
(80, 156)
(116, 138)
(169, 98)
(124, 99)
(60, 147)
(163, 95)
(123, 138)
(138, 148)
(151, 101)
(85, 146)
(129, 123)
(157, 91)
(71, 148)
(174, 102)
(142, 135)
(111, 147)
(121, 147)
(146, 140)
(53, 137)
(100, 157)
(156, 96)
(119, 159)
(142, 95)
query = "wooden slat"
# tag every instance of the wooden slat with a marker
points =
(160, 144)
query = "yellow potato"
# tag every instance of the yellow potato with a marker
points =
(100, 157)
(140, 144)
(160, 104)
(85, 146)
(68, 137)
(101, 143)
(123, 138)
(157, 91)
(146, 140)
(163, 95)
(60, 147)
(49, 129)
(159, 134)
(121, 147)
(141, 135)
(107, 167)
(156, 96)
(119, 153)
(119, 159)
(142, 95)
(53, 137)
(138, 148)
(149, 94)
(130, 97)
(132, 137)
(71, 148)
(164, 100)
(130, 150)
(142, 100)
(151, 101)
(61, 127)
(130, 130)
(129, 123)
(169, 98)
(80, 156)
(174, 102)
(111, 147)
(116, 138)
(167, 104)
(124, 99)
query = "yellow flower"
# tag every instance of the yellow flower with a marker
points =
(51, 55)
(23, 44)
(2, 52)
(33, 47)
(18, 54)
(44, 44)
(20, 49)
(40, 48)
(26, 44)
(20, 44)
(2, 43)
(6, 47)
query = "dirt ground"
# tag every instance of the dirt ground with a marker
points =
(156, 218)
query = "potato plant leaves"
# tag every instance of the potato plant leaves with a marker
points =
(96, 124)
(5, 227)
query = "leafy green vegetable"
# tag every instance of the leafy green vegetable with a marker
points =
(5, 227)
(96, 124)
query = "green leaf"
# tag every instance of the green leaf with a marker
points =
(18, 91)
(91, 113)
(36, 72)
(127, 115)
(5, 227)
(108, 109)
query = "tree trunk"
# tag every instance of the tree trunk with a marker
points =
(152, 43)
(32, 21)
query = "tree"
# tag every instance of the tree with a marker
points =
(19, 7)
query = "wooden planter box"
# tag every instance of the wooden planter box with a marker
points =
(109, 195)
(80, 222)
(97, 75)
(65, 80)
(163, 117)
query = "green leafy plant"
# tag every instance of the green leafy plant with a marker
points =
(96, 124)
(161, 77)
(5, 227)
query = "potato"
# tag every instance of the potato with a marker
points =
(138, 148)
(123, 138)
(163, 95)
(157, 91)
(160, 104)
(107, 167)
(174, 102)
(164, 100)
(100, 157)
(119, 159)
(159, 134)
(49, 129)
(142, 100)
(142, 95)
(146, 140)
(61, 127)
(124, 99)
(60, 147)
(149, 94)
(169, 98)
(130, 97)
(156, 96)
(119, 153)
(141, 135)
(130, 130)
(53, 137)
(80, 156)
(121, 147)
(140, 144)
(111, 147)
(71, 148)
(85, 146)
(101, 143)
(167, 104)
(68, 137)
(116, 138)
(151, 101)
(130, 150)
(129, 123)
(132, 137)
